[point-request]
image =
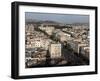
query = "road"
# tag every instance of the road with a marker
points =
(72, 58)
(69, 56)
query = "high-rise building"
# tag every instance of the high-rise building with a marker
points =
(55, 50)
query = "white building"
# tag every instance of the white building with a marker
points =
(76, 45)
(55, 50)
(29, 28)
(64, 36)
(85, 51)
(47, 28)
(38, 42)
(46, 43)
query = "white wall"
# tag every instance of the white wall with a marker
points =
(5, 40)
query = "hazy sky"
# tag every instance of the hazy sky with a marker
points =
(62, 18)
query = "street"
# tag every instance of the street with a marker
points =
(72, 58)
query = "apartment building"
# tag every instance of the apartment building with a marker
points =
(55, 50)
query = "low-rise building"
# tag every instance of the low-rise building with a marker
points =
(47, 28)
(29, 28)
(76, 45)
(63, 36)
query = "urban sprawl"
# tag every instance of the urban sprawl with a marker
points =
(56, 44)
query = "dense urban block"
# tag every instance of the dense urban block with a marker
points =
(49, 43)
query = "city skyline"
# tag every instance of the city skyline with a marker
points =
(49, 42)
(61, 18)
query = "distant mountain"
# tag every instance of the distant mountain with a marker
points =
(40, 22)
(31, 21)
(81, 24)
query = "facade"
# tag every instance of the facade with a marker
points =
(55, 50)
(76, 46)
(63, 36)
(47, 28)
(85, 51)
(38, 42)
(29, 28)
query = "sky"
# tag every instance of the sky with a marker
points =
(61, 18)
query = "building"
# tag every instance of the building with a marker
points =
(76, 45)
(55, 50)
(85, 51)
(38, 42)
(29, 28)
(46, 43)
(47, 28)
(63, 36)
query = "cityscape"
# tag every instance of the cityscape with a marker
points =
(56, 40)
